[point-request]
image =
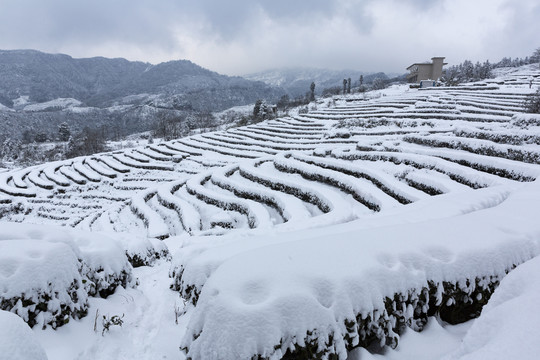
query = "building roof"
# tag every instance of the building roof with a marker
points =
(427, 62)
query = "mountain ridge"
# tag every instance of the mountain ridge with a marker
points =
(296, 81)
(99, 81)
(98, 85)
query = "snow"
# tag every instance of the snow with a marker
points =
(148, 332)
(29, 265)
(313, 284)
(435, 341)
(285, 232)
(17, 342)
(508, 326)
(60, 103)
(155, 224)
(81, 109)
(38, 261)
(33, 272)
(21, 101)
(5, 108)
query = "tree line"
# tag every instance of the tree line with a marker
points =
(468, 72)
(38, 146)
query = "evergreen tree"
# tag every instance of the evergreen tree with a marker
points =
(27, 136)
(263, 110)
(361, 87)
(467, 70)
(348, 85)
(312, 93)
(257, 108)
(535, 57)
(10, 149)
(486, 70)
(72, 147)
(283, 102)
(40, 137)
(88, 141)
(477, 70)
(505, 62)
(63, 132)
(344, 86)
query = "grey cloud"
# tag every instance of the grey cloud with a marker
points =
(227, 35)
(144, 21)
(64, 21)
(61, 22)
(236, 18)
(297, 9)
(422, 5)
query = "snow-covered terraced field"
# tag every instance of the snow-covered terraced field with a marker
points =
(313, 234)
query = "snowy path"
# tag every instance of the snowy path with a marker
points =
(149, 331)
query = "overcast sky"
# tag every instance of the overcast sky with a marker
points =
(238, 37)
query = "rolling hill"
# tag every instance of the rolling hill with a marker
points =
(316, 235)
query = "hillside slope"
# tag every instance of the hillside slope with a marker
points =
(307, 235)
(42, 87)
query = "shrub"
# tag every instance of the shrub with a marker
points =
(114, 320)
(532, 103)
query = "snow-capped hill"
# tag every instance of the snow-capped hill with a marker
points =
(531, 69)
(56, 104)
(32, 81)
(5, 108)
(100, 81)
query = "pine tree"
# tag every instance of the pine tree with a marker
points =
(468, 70)
(40, 137)
(10, 149)
(486, 70)
(312, 94)
(348, 85)
(535, 57)
(344, 86)
(263, 110)
(361, 82)
(283, 102)
(63, 132)
(257, 108)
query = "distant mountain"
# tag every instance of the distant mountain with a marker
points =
(296, 81)
(48, 85)
(100, 82)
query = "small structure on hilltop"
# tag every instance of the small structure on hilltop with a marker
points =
(426, 70)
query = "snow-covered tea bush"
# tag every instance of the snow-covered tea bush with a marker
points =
(320, 296)
(105, 265)
(17, 342)
(142, 251)
(47, 273)
(41, 282)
